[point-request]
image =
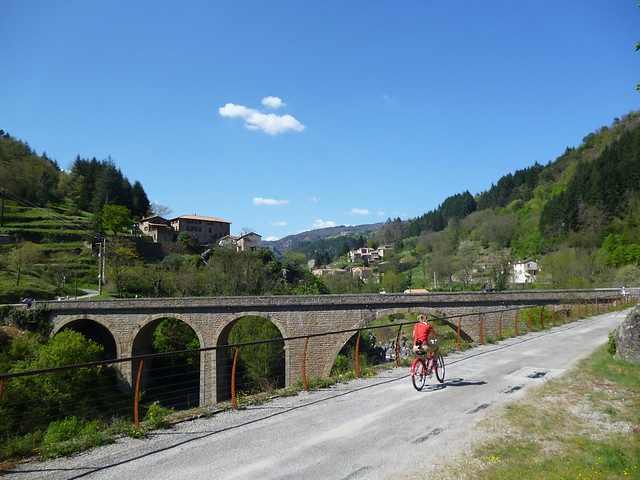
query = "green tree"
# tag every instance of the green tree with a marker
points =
(189, 241)
(55, 394)
(139, 201)
(260, 366)
(24, 257)
(116, 218)
(173, 335)
(121, 256)
(467, 255)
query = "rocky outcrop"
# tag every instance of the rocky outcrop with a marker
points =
(627, 337)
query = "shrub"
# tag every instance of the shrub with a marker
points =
(70, 435)
(611, 345)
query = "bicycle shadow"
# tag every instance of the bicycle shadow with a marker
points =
(455, 382)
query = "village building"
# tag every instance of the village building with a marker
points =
(336, 272)
(364, 274)
(524, 271)
(249, 242)
(366, 254)
(158, 229)
(207, 230)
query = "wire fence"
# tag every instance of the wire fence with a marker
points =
(32, 400)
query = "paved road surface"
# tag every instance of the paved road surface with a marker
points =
(368, 429)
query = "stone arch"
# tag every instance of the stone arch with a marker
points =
(363, 322)
(157, 373)
(93, 329)
(224, 360)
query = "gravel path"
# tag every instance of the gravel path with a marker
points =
(370, 428)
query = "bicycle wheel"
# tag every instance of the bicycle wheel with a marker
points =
(439, 368)
(418, 374)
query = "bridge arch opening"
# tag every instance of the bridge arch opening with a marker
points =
(259, 367)
(379, 338)
(377, 344)
(172, 380)
(96, 332)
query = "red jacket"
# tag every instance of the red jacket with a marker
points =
(421, 331)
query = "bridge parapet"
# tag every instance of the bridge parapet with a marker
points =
(129, 321)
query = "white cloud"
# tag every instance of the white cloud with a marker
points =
(319, 223)
(381, 213)
(280, 223)
(389, 99)
(269, 201)
(271, 239)
(273, 102)
(313, 199)
(269, 123)
(358, 211)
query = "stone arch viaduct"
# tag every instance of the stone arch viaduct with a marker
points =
(125, 327)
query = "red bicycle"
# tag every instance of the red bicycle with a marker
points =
(425, 367)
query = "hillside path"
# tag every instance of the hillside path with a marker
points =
(370, 428)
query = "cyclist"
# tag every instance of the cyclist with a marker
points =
(421, 333)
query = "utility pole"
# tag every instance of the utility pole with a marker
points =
(100, 268)
(102, 262)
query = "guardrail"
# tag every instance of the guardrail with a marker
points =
(105, 382)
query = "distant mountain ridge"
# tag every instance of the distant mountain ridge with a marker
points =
(286, 243)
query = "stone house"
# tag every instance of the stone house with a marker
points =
(207, 230)
(157, 228)
(249, 242)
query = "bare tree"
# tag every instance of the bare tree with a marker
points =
(159, 210)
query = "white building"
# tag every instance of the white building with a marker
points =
(524, 271)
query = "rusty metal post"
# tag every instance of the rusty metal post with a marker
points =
(234, 400)
(500, 325)
(398, 346)
(304, 367)
(481, 322)
(542, 317)
(517, 312)
(358, 355)
(136, 399)
(459, 345)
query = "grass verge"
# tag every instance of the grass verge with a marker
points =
(582, 425)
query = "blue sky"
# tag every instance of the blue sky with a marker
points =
(284, 116)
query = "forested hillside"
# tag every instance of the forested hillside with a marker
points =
(88, 186)
(578, 216)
